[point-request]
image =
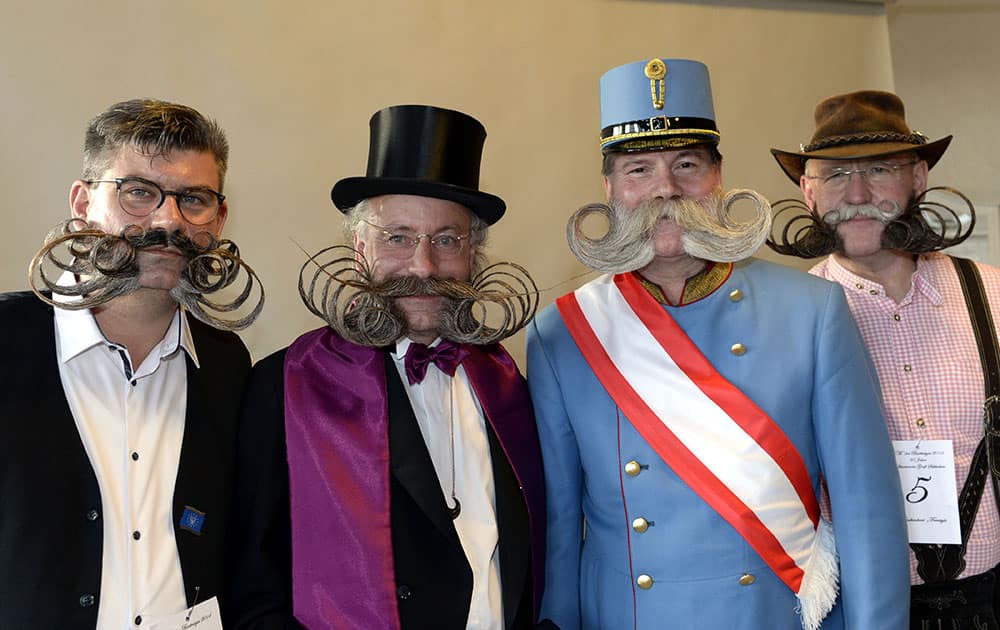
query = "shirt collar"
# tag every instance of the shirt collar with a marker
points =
(403, 346)
(922, 281)
(77, 331)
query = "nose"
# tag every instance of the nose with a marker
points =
(168, 215)
(667, 187)
(423, 263)
(857, 191)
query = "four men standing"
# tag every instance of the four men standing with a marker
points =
(695, 407)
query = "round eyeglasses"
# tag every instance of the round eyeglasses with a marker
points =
(140, 197)
(876, 174)
(401, 243)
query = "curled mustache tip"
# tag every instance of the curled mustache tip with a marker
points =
(924, 226)
(337, 284)
(105, 267)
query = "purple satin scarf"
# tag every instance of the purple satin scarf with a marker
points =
(336, 424)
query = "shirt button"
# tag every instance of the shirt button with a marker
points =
(747, 579)
(136, 535)
(873, 292)
(921, 422)
(404, 592)
(860, 286)
(738, 349)
(86, 600)
(138, 620)
(632, 468)
(645, 582)
(895, 316)
(640, 525)
(135, 456)
(907, 368)
(92, 515)
(735, 295)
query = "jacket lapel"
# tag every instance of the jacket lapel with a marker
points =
(409, 459)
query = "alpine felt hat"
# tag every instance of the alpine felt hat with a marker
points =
(860, 126)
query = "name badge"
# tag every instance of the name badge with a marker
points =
(927, 475)
(204, 616)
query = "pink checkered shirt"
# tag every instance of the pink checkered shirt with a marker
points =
(928, 365)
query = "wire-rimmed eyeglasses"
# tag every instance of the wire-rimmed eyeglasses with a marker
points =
(400, 242)
(877, 174)
(140, 197)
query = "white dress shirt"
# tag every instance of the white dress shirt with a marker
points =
(131, 423)
(438, 401)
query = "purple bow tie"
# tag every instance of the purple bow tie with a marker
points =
(446, 356)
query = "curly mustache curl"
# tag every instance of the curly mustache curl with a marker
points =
(499, 301)
(106, 267)
(923, 226)
(709, 232)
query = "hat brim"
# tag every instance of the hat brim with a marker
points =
(348, 192)
(794, 164)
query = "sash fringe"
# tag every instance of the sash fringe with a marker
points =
(821, 580)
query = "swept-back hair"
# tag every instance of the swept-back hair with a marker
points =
(155, 128)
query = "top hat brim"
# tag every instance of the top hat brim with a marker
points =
(794, 164)
(348, 192)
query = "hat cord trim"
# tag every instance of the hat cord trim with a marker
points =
(865, 138)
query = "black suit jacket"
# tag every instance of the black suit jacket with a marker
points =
(433, 576)
(51, 530)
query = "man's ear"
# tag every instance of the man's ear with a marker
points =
(79, 199)
(220, 219)
(920, 176)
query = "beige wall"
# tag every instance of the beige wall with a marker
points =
(295, 83)
(946, 61)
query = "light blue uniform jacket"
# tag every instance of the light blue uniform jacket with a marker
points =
(805, 365)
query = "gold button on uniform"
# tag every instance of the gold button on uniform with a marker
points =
(735, 295)
(640, 525)
(738, 349)
(645, 582)
(632, 468)
(747, 579)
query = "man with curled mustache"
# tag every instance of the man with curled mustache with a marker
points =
(692, 401)
(119, 410)
(390, 474)
(862, 176)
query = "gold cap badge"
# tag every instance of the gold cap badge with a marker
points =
(656, 70)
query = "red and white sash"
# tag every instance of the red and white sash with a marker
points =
(710, 433)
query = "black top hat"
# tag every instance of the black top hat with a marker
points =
(426, 151)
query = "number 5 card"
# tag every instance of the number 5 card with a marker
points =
(927, 475)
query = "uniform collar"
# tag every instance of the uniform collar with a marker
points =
(697, 287)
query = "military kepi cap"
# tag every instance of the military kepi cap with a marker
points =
(426, 151)
(657, 104)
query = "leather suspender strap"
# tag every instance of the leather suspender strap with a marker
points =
(939, 563)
